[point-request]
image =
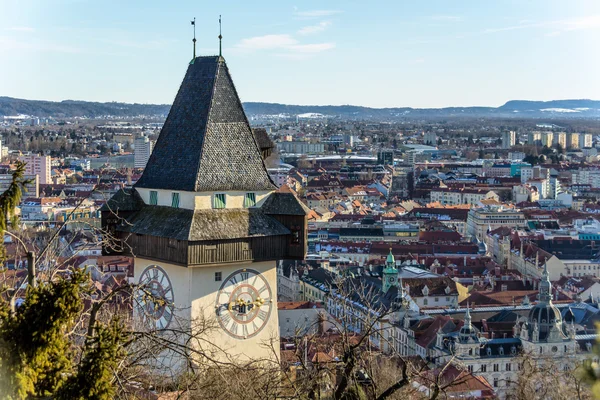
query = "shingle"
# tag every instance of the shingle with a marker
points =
(206, 143)
(124, 200)
(284, 204)
(202, 225)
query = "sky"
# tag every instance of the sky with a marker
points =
(418, 53)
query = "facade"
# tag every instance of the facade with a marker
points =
(463, 196)
(32, 189)
(142, 151)
(205, 224)
(430, 138)
(560, 138)
(298, 147)
(38, 165)
(573, 141)
(585, 140)
(534, 138)
(509, 138)
(547, 139)
(482, 219)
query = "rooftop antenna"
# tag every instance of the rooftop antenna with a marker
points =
(220, 37)
(194, 39)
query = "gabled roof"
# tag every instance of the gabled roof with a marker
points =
(206, 143)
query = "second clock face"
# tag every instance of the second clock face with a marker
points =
(155, 297)
(244, 303)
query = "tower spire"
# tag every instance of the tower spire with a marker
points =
(220, 38)
(468, 316)
(545, 291)
(194, 39)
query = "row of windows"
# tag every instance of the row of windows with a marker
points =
(219, 199)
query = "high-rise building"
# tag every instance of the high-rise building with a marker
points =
(430, 138)
(573, 140)
(205, 223)
(40, 166)
(585, 140)
(560, 138)
(509, 138)
(547, 139)
(142, 151)
(534, 138)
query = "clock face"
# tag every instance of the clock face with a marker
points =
(244, 303)
(155, 298)
(391, 280)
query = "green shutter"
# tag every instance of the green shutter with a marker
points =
(249, 200)
(175, 200)
(219, 200)
(153, 197)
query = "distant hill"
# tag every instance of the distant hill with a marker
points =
(73, 108)
(513, 108)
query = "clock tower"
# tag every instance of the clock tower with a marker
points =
(205, 223)
(390, 273)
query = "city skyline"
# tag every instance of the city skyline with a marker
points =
(384, 55)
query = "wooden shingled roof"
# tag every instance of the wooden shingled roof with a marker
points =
(206, 143)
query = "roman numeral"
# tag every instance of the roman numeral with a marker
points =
(225, 318)
(233, 280)
(244, 330)
(245, 276)
(234, 328)
(263, 315)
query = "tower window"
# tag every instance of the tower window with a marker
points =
(250, 200)
(175, 200)
(153, 197)
(218, 276)
(219, 200)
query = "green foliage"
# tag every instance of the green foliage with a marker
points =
(39, 353)
(101, 355)
(591, 372)
(35, 353)
(10, 199)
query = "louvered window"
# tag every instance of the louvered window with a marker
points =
(175, 200)
(250, 200)
(153, 197)
(219, 200)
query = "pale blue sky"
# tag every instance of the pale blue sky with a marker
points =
(376, 53)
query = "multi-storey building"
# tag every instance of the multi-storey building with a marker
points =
(547, 139)
(509, 138)
(38, 165)
(482, 219)
(560, 138)
(142, 151)
(461, 196)
(573, 140)
(585, 140)
(534, 138)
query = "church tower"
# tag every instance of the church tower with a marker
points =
(205, 223)
(390, 273)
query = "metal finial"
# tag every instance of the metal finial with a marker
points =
(194, 40)
(220, 38)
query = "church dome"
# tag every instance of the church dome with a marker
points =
(545, 316)
(545, 320)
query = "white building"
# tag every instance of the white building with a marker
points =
(509, 138)
(142, 151)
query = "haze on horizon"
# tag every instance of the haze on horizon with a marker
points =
(389, 54)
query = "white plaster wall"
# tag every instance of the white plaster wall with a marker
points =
(204, 295)
(201, 200)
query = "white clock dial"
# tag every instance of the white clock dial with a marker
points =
(155, 297)
(244, 303)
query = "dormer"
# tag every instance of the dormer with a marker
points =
(425, 291)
